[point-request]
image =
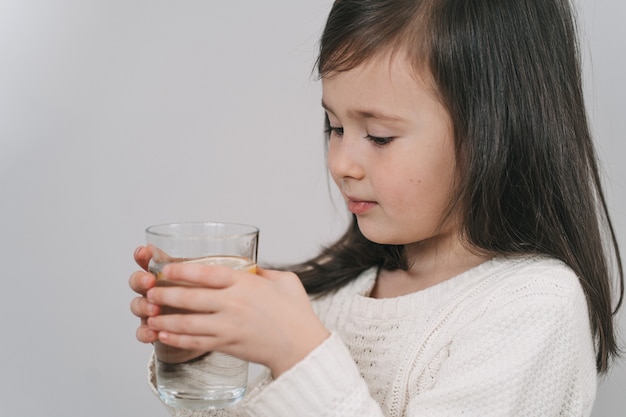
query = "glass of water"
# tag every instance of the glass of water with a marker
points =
(194, 379)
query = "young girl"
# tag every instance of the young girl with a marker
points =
(476, 276)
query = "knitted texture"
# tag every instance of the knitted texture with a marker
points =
(510, 337)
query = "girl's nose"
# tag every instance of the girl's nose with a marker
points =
(345, 159)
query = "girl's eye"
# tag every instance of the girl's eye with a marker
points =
(378, 141)
(334, 131)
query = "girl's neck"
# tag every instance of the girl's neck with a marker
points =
(430, 263)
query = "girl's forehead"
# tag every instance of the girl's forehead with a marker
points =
(389, 57)
(380, 90)
(391, 68)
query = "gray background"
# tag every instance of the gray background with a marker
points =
(115, 115)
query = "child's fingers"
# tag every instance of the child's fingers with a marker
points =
(141, 282)
(211, 276)
(142, 256)
(141, 308)
(190, 324)
(146, 335)
(188, 342)
(196, 299)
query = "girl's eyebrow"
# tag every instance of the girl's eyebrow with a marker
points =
(366, 114)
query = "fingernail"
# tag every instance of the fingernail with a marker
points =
(137, 251)
(149, 295)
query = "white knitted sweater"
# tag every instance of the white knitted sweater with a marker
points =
(510, 337)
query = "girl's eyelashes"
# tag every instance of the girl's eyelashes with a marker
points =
(379, 141)
(335, 131)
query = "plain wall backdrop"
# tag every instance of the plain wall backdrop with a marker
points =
(115, 115)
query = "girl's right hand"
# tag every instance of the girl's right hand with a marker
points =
(140, 282)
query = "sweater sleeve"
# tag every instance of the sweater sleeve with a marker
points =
(326, 383)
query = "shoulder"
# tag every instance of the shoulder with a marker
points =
(513, 293)
(523, 303)
(506, 284)
(532, 278)
(521, 332)
(531, 296)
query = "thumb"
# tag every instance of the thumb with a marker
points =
(267, 273)
(142, 256)
(274, 275)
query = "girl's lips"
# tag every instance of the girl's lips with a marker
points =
(360, 207)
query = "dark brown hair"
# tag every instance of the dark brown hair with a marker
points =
(509, 74)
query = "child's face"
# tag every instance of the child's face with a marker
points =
(391, 151)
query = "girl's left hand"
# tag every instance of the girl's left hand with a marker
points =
(265, 318)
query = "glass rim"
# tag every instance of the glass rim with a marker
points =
(162, 229)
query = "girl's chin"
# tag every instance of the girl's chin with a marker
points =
(381, 237)
(388, 236)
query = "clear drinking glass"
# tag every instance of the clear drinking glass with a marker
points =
(200, 380)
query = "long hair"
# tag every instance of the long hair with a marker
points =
(508, 72)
